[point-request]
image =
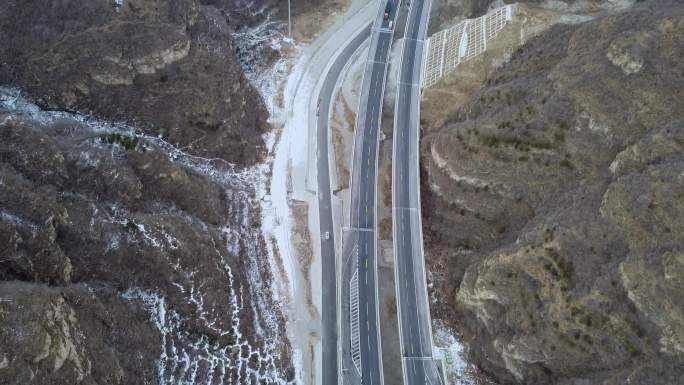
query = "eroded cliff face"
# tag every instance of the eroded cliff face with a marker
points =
(66, 334)
(554, 206)
(166, 66)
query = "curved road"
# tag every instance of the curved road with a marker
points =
(360, 329)
(415, 332)
(329, 267)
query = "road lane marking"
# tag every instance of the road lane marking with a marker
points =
(381, 30)
(375, 62)
(409, 84)
(365, 229)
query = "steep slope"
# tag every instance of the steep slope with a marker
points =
(130, 241)
(167, 66)
(554, 208)
(125, 260)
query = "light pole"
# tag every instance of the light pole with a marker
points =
(289, 21)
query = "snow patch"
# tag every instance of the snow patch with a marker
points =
(286, 147)
(11, 218)
(257, 43)
(191, 359)
(449, 349)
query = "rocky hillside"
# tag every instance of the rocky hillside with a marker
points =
(451, 10)
(259, 27)
(125, 260)
(554, 206)
(166, 66)
(130, 243)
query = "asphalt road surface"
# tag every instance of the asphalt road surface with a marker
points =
(329, 273)
(414, 313)
(359, 252)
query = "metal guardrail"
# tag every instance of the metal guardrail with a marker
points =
(448, 48)
(354, 320)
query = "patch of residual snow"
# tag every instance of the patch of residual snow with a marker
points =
(189, 359)
(274, 190)
(225, 173)
(232, 359)
(449, 349)
(271, 177)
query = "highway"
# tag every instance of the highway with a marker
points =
(360, 331)
(329, 266)
(415, 332)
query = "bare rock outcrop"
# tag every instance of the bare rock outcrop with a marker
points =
(63, 335)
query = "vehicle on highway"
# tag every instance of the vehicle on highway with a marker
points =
(388, 10)
(327, 235)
